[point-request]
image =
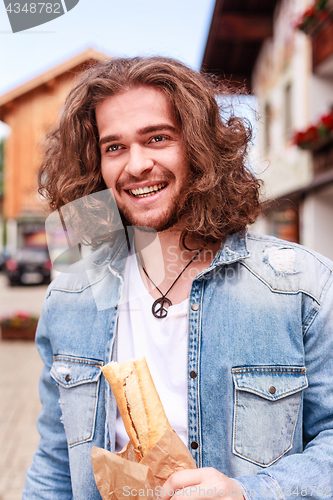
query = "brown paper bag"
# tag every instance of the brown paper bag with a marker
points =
(118, 475)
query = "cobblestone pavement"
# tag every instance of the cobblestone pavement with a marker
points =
(20, 368)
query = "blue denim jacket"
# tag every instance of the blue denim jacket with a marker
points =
(260, 340)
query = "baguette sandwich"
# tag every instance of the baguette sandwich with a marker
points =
(139, 404)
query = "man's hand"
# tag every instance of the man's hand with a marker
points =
(200, 483)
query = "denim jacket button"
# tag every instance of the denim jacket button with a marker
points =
(272, 389)
(194, 445)
(68, 377)
(195, 307)
(193, 374)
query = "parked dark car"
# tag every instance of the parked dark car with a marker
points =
(29, 266)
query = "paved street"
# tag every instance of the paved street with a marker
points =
(20, 298)
(20, 368)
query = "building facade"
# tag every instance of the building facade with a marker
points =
(294, 88)
(284, 55)
(30, 111)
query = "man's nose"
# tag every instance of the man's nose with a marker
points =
(139, 160)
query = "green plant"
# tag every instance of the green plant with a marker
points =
(318, 12)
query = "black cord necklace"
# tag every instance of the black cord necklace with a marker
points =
(158, 309)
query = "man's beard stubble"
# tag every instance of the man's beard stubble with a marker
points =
(170, 220)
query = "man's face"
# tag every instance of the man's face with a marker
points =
(143, 156)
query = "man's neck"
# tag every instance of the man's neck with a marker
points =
(165, 258)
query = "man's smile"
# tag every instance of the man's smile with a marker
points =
(143, 192)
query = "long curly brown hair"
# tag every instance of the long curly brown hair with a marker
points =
(222, 195)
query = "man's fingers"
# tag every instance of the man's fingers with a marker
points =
(186, 479)
(205, 483)
(177, 481)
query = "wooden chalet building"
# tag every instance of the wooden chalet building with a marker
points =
(30, 111)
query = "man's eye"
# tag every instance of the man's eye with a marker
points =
(158, 138)
(114, 147)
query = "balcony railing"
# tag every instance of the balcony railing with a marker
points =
(318, 139)
(323, 159)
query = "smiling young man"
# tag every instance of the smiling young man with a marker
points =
(236, 327)
(143, 158)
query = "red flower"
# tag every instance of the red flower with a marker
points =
(327, 120)
(322, 130)
(311, 134)
(22, 315)
(318, 11)
(311, 12)
(323, 15)
(298, 138)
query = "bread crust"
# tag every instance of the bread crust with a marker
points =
(138, 402)
(156, 417)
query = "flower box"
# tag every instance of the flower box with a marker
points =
(316, 136)
(8, 333)
(314, 17)
(20, 326)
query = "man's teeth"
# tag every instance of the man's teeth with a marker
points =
(147, 191)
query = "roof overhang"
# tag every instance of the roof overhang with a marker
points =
(237, 31)
(48, 77)
(319, 183)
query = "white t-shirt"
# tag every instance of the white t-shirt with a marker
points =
(163, 342)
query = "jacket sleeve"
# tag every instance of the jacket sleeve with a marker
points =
(308, 474)
(48, 478)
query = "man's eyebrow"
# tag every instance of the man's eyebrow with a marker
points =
(142, 131)
(109, 138)
(156, 128)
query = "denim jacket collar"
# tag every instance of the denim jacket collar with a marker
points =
(233, 250)
(114, 256)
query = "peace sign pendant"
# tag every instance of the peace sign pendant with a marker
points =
(158, 309)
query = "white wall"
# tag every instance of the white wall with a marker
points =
(317, 222)
(321, 96)
(261, 225)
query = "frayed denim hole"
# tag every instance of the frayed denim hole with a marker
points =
(281, 260)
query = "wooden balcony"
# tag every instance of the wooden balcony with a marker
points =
(323, 158)
(322, 43)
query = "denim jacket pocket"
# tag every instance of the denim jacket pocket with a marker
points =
(267, 401)
(78, 382)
